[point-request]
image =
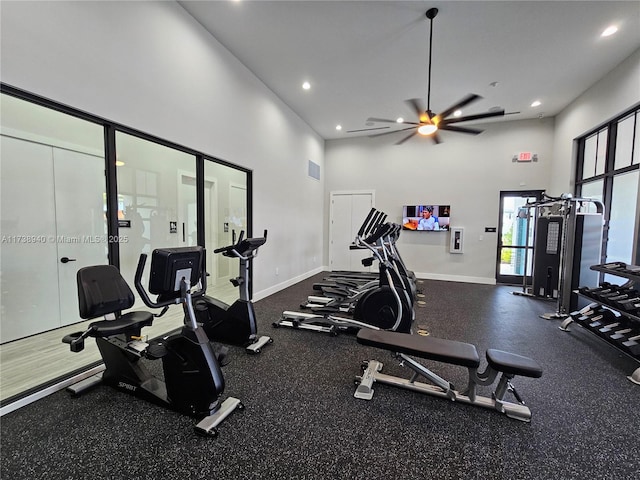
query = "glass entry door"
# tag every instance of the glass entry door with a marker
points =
(515, 237)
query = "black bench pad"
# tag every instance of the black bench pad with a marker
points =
(131, 321)
(511, 363)
(439, 349)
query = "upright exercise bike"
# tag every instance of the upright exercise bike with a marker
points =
(193, 381)
(235, 324)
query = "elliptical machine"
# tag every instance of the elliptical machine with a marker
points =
(193, 381)
(389, 306)
(235, 324)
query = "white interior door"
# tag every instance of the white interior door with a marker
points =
(80, 222)
(29, 282)
(237, 211)
(52, 207)
(187, 212)
(347, 212)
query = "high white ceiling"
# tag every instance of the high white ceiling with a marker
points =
(365, 58)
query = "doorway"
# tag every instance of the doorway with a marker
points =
(516, 226)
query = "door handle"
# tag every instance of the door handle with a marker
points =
(67, 259)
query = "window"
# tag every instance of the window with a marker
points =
(89, 181)
(608, 170)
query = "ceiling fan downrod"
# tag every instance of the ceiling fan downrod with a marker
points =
(431, 14)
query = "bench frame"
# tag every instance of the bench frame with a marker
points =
(440, 387)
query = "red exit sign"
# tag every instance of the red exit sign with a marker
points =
(525, 156)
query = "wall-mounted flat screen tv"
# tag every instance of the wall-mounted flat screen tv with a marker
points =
(426, 217)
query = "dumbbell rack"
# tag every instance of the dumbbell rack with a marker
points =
(615, 314)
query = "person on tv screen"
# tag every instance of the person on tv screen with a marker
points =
(428, 221)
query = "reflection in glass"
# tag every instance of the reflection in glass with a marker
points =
(52, 188)
(622, 217)
(156, 199)
(225, 218)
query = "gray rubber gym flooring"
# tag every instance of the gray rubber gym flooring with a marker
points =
(302, 422)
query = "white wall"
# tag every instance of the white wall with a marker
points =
(618, 91)
(467, 172)
(151, 66)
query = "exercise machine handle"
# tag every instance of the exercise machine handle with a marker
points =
(243, 248)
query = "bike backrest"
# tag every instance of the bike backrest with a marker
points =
(102, 290)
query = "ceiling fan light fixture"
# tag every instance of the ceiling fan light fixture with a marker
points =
(429, 129)
(428, 124)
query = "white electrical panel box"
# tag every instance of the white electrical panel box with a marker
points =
(457, 243)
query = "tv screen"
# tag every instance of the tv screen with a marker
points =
(426, 217)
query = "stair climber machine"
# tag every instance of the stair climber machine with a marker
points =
(193, 381)
(235, 324)
(388, 306)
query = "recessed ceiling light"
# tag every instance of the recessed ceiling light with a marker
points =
(457, 113)
(400, 120)
(306, 85)
(609, 31)
(537, 103)
(338, 127)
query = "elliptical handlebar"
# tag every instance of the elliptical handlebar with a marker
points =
(381, 230)
(243, 248)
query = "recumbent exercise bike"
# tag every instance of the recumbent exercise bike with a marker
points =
(193, 381)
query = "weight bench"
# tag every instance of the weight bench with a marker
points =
(403, 346)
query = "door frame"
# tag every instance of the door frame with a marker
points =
(514, 279)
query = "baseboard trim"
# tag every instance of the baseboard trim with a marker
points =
(455, 278)
(287, 283)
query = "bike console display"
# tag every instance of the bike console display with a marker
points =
(170, 265)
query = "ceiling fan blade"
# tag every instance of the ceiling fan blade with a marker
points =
(416, 106)
(497, 113)
(386, 120)
(391, 131)
(366, 129)
(453, 128)
(472, 97)
(436, 138)
(401, 141)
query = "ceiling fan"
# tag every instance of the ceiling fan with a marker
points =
(429, 124)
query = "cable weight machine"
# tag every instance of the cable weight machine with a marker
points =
(567, 241)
